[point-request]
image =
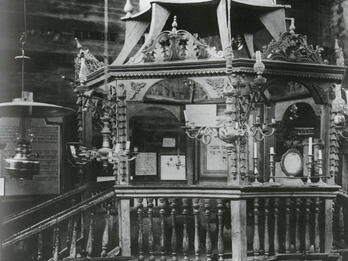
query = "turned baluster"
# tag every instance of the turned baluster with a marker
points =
(90, 238)
(106, 237)
(185, 238)
(256, 240)
(297, 226)
(150, 235)
(173, 240)
(56, 244)
(341, 225)
(276, 232)
(287, 225)
(266, 235)
(208, 243)
(73, 246)
(140, 229)
(39, 247)
(220, 241)
(307, 235)
(316, 225)
(68, 234)
(196, 227)
(162, 205)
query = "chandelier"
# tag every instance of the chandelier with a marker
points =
(235, 124)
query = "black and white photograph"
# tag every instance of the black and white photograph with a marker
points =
(173, 130)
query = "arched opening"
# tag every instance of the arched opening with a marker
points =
(161, 143)
(299, 122)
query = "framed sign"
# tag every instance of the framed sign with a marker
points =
(173, 167)
(214, 159)
(146, 164)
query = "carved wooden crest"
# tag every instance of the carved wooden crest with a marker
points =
(292, 47)
(176, 45)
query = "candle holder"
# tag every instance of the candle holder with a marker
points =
(256, 173)
(272, 181)
(320, 172)
(309, 166)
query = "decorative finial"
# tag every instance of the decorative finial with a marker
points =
(259, 66)
(339, 54)
(78, 44)
(292, 25)
(174, 24)
(128, 8)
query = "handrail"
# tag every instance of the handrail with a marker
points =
(59, 217)
(225, 192)
(13, 217)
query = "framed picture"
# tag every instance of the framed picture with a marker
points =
(146, 164)
(173, 167)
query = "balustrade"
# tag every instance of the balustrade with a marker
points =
(179, 223)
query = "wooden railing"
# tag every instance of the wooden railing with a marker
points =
(66, 199)
(219, 223)
(189, 222)
(341, 224)
(69, 233)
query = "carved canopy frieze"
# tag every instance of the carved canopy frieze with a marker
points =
(177, 45)
(292, 47)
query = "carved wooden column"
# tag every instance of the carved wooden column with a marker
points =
(122, 134)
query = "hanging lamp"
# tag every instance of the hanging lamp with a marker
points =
(24, 164)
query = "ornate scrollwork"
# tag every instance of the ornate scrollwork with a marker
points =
(217, 84)
(176, 45)
(85, 63)
(292, 47)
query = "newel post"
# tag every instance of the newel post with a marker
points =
(124, 221)
(328, 225)
(238, 230)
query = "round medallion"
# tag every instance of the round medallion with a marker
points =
(292, 163)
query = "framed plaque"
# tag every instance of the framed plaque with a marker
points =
(146, 164)
(214, 159)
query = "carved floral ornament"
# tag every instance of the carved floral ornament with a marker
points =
(292, 47)
(177, 45)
